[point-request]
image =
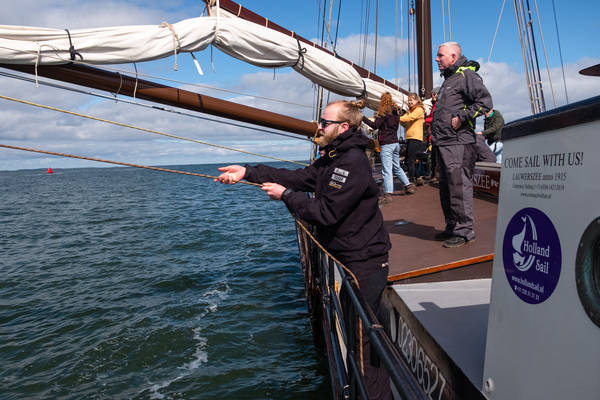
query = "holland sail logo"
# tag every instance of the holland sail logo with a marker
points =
(531, 255)
(522, 260)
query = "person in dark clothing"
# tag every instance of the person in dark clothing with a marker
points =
(387, 121)
(462, 98)
(428, 122)
(345, 212)
(492, 131)
(484, 153)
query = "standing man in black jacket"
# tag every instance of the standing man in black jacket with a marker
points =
(462, 98)
(344, 210)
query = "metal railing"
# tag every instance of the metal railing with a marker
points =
(321, 275)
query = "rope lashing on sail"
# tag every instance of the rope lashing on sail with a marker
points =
(72, 50)
(146, 129)
(176, 42)
(301, 53)
(174, 171)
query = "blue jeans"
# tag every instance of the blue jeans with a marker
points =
(390, 164)
(497, 149)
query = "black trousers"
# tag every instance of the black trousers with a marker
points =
(372, 277)
(412, 148)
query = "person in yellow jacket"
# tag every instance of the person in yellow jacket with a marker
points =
(412, 121)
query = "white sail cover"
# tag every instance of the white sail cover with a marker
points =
(241, 39)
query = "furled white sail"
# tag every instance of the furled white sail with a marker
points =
(239, 38)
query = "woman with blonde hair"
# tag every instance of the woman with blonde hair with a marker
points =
(387, 121)
(412, 122)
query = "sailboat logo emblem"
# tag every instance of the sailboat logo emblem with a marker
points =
(531, 255)
(523, 262)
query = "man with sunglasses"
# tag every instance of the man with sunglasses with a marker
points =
(344, 211)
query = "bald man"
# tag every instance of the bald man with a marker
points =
(462, 98)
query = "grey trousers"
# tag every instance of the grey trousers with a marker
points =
(457, 163)
(484, 153)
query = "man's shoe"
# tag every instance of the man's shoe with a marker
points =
(443, 236)
(409, 189)
(457, 241)
(419, 181)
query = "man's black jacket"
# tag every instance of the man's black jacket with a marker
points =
(344, 209)
(462, 95)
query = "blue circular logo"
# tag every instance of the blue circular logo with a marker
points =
(532, 255)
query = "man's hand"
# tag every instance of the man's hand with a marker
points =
(479, 133)
(455, 123)
(274, 190)
(231, 174)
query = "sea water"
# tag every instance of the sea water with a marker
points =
(123, 283)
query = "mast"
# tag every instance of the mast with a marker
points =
(424, 62)
(113, 82)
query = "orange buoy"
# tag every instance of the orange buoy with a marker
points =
(50, 170)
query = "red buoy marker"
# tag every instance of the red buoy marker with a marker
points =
(50, 170)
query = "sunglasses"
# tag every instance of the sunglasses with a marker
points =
(326, 122)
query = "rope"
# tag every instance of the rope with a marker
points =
(150, 76)
(300, 224)
(376, 35)
(117, 163)
(90, 93)
(301, 53)
(176, 42)
(537, 13)
(449, 23)
(495, 33)
(443, 21)
(72, 50)
(517, 16)
(145, 129)
(562, 65)
(325, 26)
(304, 228)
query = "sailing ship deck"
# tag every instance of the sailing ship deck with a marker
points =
(413, 220)
(446, 289)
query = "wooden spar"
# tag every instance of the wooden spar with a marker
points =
(244, 13)
(423, 8)
(125, 85)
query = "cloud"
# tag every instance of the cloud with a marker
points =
(75, 14)
(388, 48)
(509, 88)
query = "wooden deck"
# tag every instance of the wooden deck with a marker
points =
(413, 220)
